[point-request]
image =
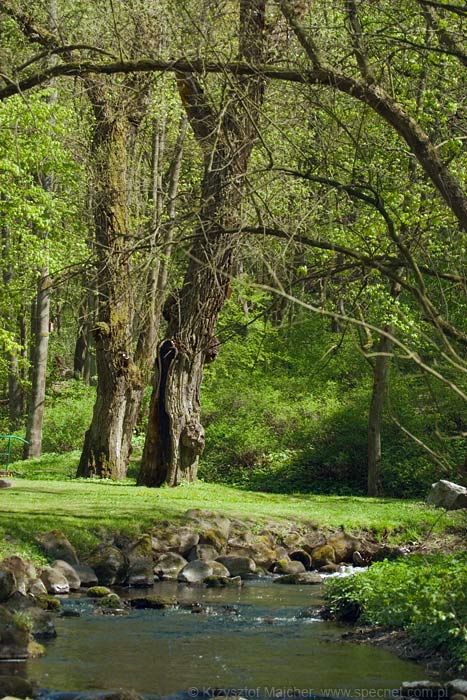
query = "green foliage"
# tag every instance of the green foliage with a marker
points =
(425, 595)
(67, 416)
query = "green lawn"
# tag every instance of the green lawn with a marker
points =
(83, 509)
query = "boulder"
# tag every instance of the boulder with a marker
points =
(344, 546)
(207, 519)
(54, 581)
(215, 537)
(41, 624)
(238, 566)
(320, 556)
(311, 540)
(86, 574)
(152, 602)
(69, 572)
(7, 584)
(15, 686)
(57, 546)
(23, 571)
(306, 578)
(287, 566)
(431, 690)
(446, 494)
(169, 565)
(195, 571)
(214, 581)
(98, 591)
(203, 551)
(219, 569)
(109, 564)
(177, 539)
(37, 588)
(303, 556)
(141, 564)
(389, 551)
(15, 638)
(458, 686)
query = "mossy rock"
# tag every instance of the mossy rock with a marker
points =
(152, 602)
(98, 592)
(321, 556)
(110, 601)
(49, 602)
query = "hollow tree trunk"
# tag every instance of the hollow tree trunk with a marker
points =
(175, 436)
(41, 349)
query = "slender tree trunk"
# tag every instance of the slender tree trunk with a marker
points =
(381, 368)
(41, 350)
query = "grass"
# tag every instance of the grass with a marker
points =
(84, 509)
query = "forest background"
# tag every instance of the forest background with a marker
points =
(233, 241)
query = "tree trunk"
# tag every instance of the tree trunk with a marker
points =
(41, 349)
(102, 451)
(175, 436)
(381, 369)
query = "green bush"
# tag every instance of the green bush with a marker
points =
(425, 595)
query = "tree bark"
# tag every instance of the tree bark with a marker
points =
(41, 349)
(102, 454)
(175, 436)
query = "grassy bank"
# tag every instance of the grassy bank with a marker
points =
(423, 595)
(83, 509)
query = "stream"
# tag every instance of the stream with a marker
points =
(263, 640)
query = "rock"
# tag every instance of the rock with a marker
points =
(287, 566)
(111, 601)
(54, 581)
(389, 551)
(203, 551)
(7, 584)
(208, 519)
(219, 569)
(215, 537)
(120, 695)
(446, 494)
(214, 581)
(68, 572)
(344, 546)
(180, 539)
(457, 686)
(37, 589)
(109, 564)
(320, 556)
(306, 578)
(141, 565)
(86, 575)
(311, 540)
(23, 571)
(169, 565)
(15, 638)
(301, 555)
(57, 546)
(15, 686)
(358, 559)
(152, 602)
(5, 484)
(458, 696)
(238, 566)
(49, 602)
(98, 591)
(329, 569)
(195, 571)
(423, 689)
(42, 625)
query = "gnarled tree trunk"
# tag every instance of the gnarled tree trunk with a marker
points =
(175, 436)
